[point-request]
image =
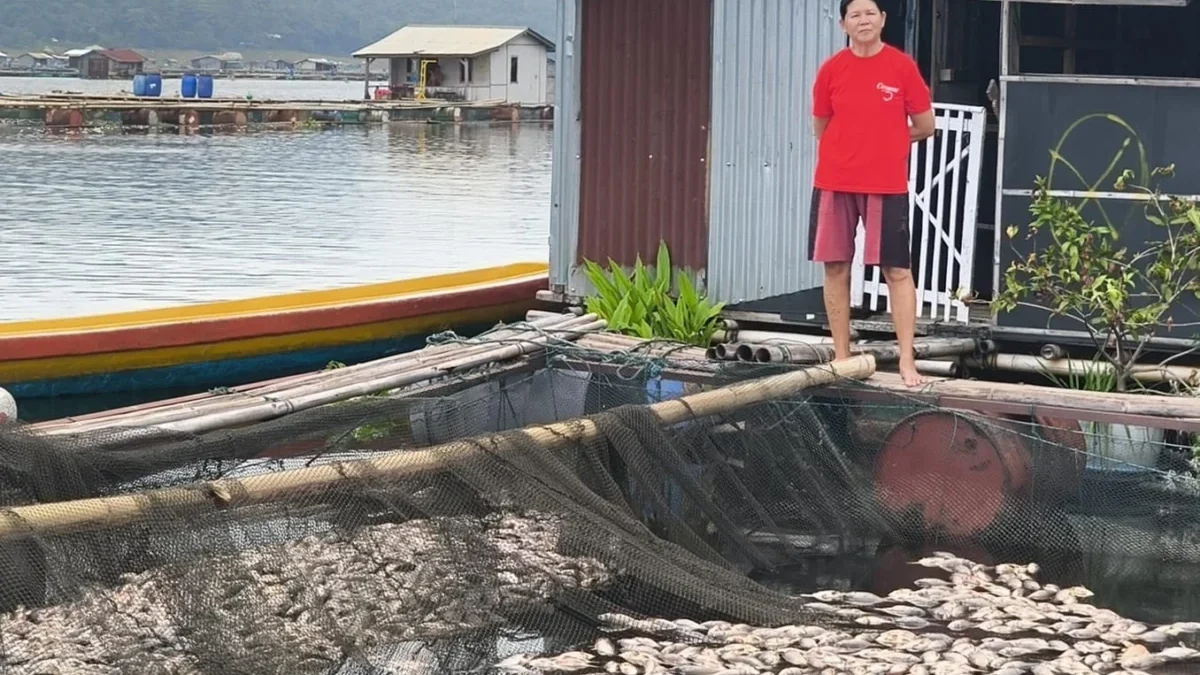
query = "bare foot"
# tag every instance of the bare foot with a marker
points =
(912, 378)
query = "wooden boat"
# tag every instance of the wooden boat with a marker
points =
(221, 344)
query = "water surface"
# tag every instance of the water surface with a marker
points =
(109, 221)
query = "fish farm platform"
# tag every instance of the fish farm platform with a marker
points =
(81, 110)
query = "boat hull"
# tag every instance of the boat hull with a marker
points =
(230, 343)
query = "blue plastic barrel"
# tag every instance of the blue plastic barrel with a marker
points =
(139, 85)
(187, 88)
(204, 86)
(154, 84)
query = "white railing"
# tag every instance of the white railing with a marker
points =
(943, 190)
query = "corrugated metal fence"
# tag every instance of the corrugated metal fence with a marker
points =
(765, 57)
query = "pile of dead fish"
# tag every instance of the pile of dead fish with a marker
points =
(305, 606)
(997, 620)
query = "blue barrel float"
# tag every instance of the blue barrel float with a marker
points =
(187, 87)
(204, 86)
(154, 84)
(139, 85)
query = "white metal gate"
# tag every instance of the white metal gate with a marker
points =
(947, 203)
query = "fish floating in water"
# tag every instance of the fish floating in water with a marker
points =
(996, 620)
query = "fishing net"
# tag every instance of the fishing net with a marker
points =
(550, 521)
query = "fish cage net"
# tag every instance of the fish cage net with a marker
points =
(511, 526)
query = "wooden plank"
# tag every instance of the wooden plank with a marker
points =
(1169, 412)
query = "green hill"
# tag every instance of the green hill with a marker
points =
(313, 26)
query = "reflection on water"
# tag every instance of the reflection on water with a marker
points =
(1135, 545)
(102, 222)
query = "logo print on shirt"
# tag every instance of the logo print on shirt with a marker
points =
(889, 93)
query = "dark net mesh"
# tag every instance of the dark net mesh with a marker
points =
(551, 522)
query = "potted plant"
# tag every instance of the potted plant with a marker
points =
(1078, 270)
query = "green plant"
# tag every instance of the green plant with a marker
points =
(640, 304)
(1095, 376)
(1079, 270)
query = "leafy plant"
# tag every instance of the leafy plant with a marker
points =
(640, 304)
(1096, 376)
(1079, 270)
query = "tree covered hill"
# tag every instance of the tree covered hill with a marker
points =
(316, 26)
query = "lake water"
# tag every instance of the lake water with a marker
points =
(107, 221)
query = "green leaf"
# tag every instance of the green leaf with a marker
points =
(663, 269)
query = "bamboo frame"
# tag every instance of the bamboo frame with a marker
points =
(101, 512)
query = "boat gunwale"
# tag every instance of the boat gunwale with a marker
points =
(275, 306)
(25, 348)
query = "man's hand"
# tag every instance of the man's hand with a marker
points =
(922, 126)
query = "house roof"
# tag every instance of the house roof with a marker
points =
(124, 55)
(81, 51)
(447, 41)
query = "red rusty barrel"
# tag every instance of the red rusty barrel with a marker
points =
(64, 117)
(181, 117)
(283, 117)
(235, 118)
(956, 470)
(1059, 459)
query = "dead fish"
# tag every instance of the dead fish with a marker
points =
(861, 599)
(902, 610)
(912, 622)
(825, 596)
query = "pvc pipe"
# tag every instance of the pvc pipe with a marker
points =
(766, 337)
(1052, 351)
(1022, 363)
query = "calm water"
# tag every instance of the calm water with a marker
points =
(222, 88)
(108, 221)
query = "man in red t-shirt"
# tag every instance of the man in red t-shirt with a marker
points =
(863, 99)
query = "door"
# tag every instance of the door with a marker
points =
(943, 188)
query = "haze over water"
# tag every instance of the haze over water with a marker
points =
(95, 222)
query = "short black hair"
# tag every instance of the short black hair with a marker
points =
(846, 5)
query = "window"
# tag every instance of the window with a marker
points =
(512, 70)
(465, 71)
(410, 66)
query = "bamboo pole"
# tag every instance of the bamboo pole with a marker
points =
(63, 517)
(886, 353)
(271, 409)
(1022, 363)
(1030, 398)
(309, 382)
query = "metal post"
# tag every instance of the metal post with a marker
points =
(998, 227)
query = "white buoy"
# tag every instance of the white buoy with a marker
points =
(8, 407)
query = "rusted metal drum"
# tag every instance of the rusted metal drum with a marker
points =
(1059, 459)
(64, 117)
(953, 472)
(235, 118)
(183, 118)
(141, 117)
(283, 117)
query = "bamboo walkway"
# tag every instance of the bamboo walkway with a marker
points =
(428, 370)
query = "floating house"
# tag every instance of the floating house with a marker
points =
(39, 61)
(713, 151)
(315, 65)
(218, 62)
(466, 63)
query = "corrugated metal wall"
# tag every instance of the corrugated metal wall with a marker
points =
(765, 57)
(645, 78)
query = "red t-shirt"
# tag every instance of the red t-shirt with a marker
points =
(868, 102)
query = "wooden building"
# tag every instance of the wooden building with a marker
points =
(715, 153)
